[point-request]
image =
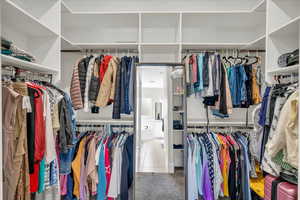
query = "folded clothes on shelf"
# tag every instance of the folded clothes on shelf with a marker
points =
(177, 146)
(8, 48)
(289, 59)
(177, 125)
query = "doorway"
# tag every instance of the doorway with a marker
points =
(155, 174)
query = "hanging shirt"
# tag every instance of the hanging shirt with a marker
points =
(199, 84)
(286, 135)
(101, 187)
(115, 181)
(76, 167)
(87, 83)
(209, 90)
(104, 66)
(192, 189)
(195, 68)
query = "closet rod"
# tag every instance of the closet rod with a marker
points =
(111, 50)
(215, 50)
(221, 124)
(104, 121)
(102, 125)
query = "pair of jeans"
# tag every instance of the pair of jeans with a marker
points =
(66, 160)
(131, 82)
(125, 78)
(127, 168)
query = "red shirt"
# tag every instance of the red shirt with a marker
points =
(107, 167)
(39, 137)
(104, 66)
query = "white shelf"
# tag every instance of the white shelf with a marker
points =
(260, 7)
(290, 28)
(178, 94)
(67, 44)
(212, 45)
(178, 111)
(259, 43)
(174, 130)
(23, 21)
(65, 8)
(284, 70)
(158, 44)
(9, 60)
(106, 45)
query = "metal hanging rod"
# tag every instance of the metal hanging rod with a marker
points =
(220, 50)
(109, 50)
(219, 124)
(101, 122)
(102, 125)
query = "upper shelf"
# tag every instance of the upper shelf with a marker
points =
(212, 45)
(106, 45)
(288, 29)
(260, 7)
(68, 45)
(156, 7)
(23, 21)
(259, 44)
(9, 60)
(284, 70)
(65, 8)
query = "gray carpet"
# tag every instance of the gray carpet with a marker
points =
(151, 186)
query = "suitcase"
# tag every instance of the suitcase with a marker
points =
(286, 191)
(268, 186)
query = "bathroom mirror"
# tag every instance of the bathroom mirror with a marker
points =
(156, 173)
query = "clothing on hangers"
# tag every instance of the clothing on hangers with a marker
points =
(39, 111)
(218, 166)
(99, 81)
(222, 84)
(274, 143)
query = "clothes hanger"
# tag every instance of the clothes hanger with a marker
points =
(238, 58)
(251, 57)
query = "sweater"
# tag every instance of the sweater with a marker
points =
(75, 91)
(286, 135)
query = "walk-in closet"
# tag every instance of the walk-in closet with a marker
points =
(149, 100)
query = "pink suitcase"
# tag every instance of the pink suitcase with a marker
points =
(268, 186)
(286, 191)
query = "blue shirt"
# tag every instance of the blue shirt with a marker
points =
(101, 187)
(263, 108)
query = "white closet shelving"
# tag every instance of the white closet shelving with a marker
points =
(161, 30)
(283, 34)
(33, 26)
